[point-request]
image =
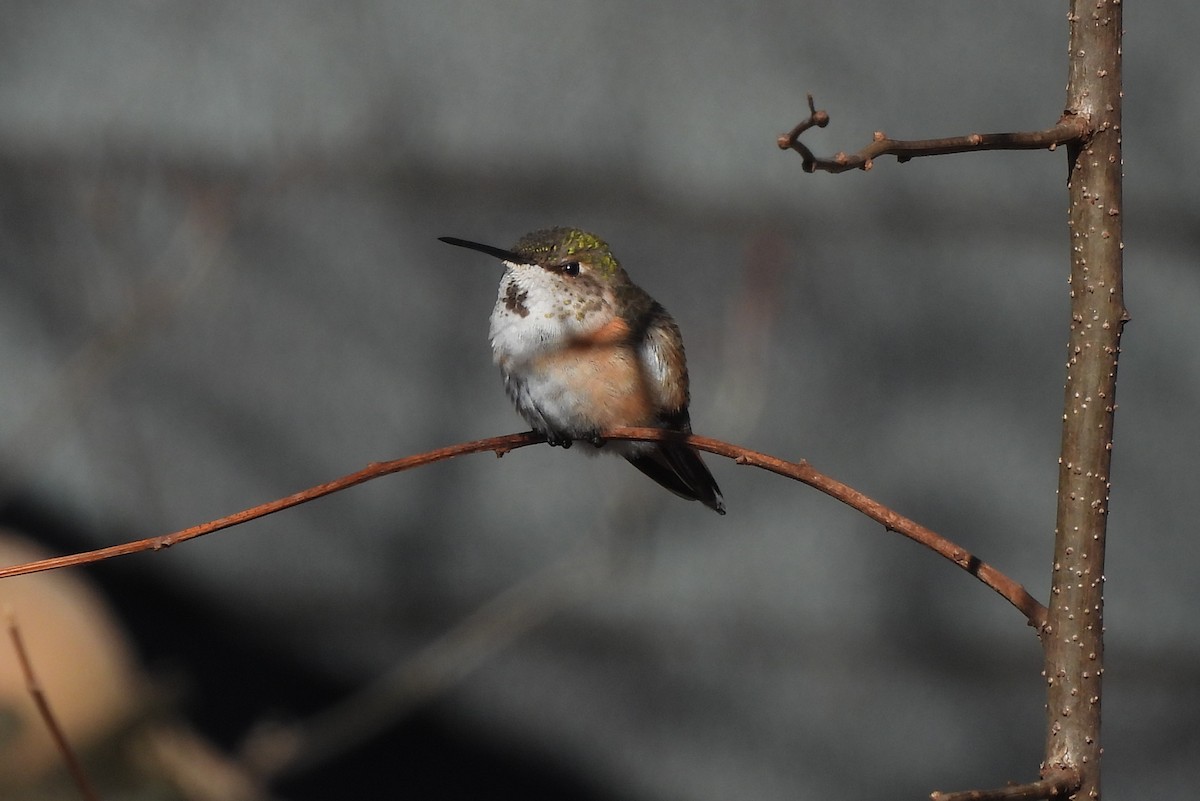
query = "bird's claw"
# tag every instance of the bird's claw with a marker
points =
(559, 441)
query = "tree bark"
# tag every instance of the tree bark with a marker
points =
(1074, 634)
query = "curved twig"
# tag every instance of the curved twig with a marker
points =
(499, 445)
(1010, 590)
(1071, 128)
(1007, 588)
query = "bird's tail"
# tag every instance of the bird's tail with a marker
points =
(680, 469)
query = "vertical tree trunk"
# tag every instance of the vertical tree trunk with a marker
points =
(1073, 636)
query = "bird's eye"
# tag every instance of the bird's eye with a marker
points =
(570, 268)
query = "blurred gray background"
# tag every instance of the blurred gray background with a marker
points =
(220, 283)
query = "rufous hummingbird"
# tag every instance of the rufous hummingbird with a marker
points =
(582, 349)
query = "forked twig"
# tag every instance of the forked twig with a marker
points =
(1070, 128)
(1006, 587)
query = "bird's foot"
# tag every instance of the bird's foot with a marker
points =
(556, 440)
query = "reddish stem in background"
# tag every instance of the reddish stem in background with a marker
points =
(34, 687)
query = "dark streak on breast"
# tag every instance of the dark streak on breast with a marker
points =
(514, 301)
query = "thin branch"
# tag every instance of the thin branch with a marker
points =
(1010, 590)
(1007, 588)
(1071, 128)
(152, 304)
(1060, 784)
(499, 445)
(34, 688)
(275, 750)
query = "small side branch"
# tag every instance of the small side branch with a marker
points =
(1060, 784)
(1071, 128)
(34, 688)
(1006, 587)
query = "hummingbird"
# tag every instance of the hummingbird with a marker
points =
(582, 348)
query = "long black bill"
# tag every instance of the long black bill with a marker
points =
(499, 253)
